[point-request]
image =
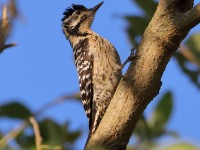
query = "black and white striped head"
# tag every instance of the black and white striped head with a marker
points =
(78, 19)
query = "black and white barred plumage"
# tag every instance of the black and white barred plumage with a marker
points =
(84, 65)
(97, 62)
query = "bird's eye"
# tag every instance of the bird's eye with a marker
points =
(78, 12)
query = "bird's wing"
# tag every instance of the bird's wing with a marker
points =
(86, 88)
(84, 64)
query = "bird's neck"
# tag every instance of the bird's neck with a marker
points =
(76, 38)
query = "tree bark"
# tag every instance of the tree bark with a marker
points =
(170, 24)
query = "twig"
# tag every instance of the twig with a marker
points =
(189, 55)
(38, 139)
(5, 26)
(58, 100)
(15, 132)
(12, 134)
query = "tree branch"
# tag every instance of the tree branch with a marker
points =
(141, 83)
(192, 17)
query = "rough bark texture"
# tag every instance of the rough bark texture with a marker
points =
(171, 23)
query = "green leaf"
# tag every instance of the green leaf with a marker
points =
(25, 140)
(192, 74)
(189, 59)
(52, 134)
(161, 114)
(71, 136)
(56, 134)
(15, 110)
(142, 129)
(181, 146)
(148, 6)
(193, 43)
(1, 135)
(137, 26)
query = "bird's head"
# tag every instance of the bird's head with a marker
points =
(78, 19)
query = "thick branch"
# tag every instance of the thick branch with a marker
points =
(192, 17)
(141, 83)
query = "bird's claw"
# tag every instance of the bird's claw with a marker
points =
(132, 57)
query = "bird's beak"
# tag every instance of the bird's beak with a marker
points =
(95, 8)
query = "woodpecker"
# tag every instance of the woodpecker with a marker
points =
(96, 59)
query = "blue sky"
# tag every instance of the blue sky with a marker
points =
(40, 68)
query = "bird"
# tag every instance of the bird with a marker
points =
(97, 61)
